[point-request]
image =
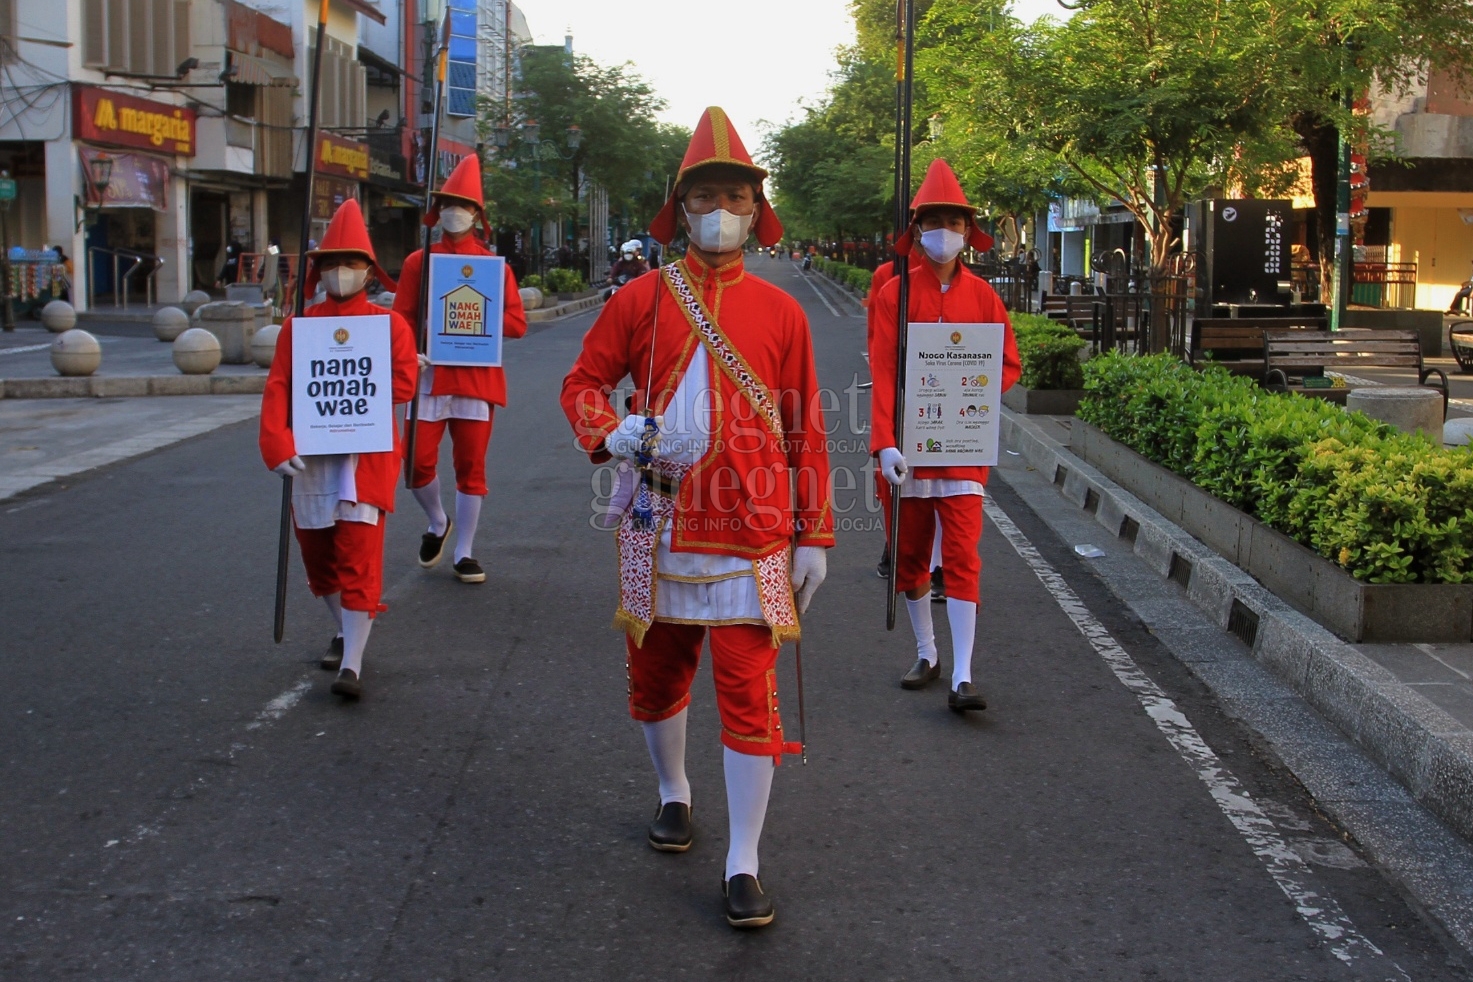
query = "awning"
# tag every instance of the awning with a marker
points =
(250, 70)
(366, 9)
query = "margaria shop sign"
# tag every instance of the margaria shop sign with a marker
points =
(100, 116)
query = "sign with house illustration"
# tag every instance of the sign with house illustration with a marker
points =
(466, 301)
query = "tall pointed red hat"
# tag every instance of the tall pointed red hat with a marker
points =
(462, 187)
(715, 141)
(346, 235)
(941, 189)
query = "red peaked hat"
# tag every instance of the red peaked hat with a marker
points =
(715, 141)
(346, 235)
(462, 187)
(941, 189)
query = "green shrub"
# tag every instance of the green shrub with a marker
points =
(1388, 507)
(531, 281)
(565, 281)
(1049, 352)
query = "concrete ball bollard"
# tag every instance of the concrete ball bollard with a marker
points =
(1408, 408)
(263, 345)
(1457, 432)
(194, 300)
(531, 297)
(197, 352)
(76, 352)
(58, 316)
(169, 323)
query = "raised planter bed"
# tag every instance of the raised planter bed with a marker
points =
(580, 295)
(1042, 402)
(1375, 612)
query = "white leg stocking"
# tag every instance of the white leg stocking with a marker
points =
(334, 603)
(925, 630)
(356, 625)
(963, 617)
(748, 785)
(666, 740)
(467, 514)
(429, 499)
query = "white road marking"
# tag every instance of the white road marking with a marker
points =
(818, 293)
(1287, 867)
(277, 708)
(23, 349)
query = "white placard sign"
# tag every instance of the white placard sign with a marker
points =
(953, 394)
(342, 385)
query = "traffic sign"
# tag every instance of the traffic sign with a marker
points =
(7, 189)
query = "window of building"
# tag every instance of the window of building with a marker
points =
(460, 75)
(138, 37)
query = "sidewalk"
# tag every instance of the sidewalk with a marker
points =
(131, 366)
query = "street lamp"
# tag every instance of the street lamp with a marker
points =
(537, 149)
(933, 127)
(100, 169)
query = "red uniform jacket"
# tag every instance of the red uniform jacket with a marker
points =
(756, 491)
(884, 273)
(970, 300)
(377, 473)
(488, 384)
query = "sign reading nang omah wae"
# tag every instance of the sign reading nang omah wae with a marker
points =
(466, 303)
(342, 385)
(122, 120)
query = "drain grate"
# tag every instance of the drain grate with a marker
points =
(1091, 501)
(1180, 570)
(1242, 623)
(1129, 529)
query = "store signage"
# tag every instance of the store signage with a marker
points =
(345, 158)
(386, 167)
(328, 193)
(101, 116)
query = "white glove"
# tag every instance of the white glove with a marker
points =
(810, 566)
(424, 362)
(293, 466)
(893, 466)
(627, 440)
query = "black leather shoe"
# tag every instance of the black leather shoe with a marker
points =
(347, 684)
(469, 571)
(332, 658)
(671, 830)
(938, 585)
(964, 697)
(746, 904)
(432, 546)
(883, 569)
(921, 674)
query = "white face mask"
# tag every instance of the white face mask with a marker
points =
(456, 220)
(720, 230)
(942, 244)
(344, 281)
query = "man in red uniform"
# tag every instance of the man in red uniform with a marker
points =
(941, 291)
(730, 511)
(339, 501)
(462, 398)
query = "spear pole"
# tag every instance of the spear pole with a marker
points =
(905, 24)
(284, 534)
(411, 417)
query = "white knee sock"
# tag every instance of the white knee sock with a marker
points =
(920, 623)
(963, 617)
(467, 514)
(356, 625)
(666, 740)
(748, 784)
(429, 499)
(334, 603)
(936, 545)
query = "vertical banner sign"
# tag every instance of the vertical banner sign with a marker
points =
(465, 306)
(342, 385)
(953, 394)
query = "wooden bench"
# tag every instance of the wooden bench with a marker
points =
(1290, 357)
(1077, 311)
(1236, 344)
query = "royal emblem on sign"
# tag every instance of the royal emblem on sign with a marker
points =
(340, 335)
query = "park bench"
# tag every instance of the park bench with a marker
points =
(1295, 360)
(1076, 311)
(1237, 344)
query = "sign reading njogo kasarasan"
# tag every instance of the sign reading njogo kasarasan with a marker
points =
(467, 298)
(342, 385)
(953, 394)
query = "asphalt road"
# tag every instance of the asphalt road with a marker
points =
(183, 800)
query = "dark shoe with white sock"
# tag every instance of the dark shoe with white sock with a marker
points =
(432, 546)
(883, 569)
(332, 659)
(938, 585)
(469, 571)
(964, 697)
(921, 674)
(671, 830)
(746, 904)
(347, 684)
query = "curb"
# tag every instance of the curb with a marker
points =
(563, 309)
(1422, 746)
(103, 386)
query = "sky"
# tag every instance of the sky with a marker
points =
(760, 60)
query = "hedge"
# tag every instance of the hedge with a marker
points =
(1388, 507)
(853, 277)
(1049, 352)
(565, 281)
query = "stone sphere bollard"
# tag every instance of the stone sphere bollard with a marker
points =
(1408, 408)
(194, 300)
(531, 297)
(197, 352)
(75, 352)
(263, 345)
(169, 323)
(58, 316)
(1457, 432)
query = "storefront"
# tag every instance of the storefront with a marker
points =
(393, 208)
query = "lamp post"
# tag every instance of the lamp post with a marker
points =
(537, 149)
(100, 169)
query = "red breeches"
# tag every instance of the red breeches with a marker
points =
(347, 558)
(469, 439)
(961, 531)
(743, 663)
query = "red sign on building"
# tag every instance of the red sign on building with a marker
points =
(346, 158)
(100, 116)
